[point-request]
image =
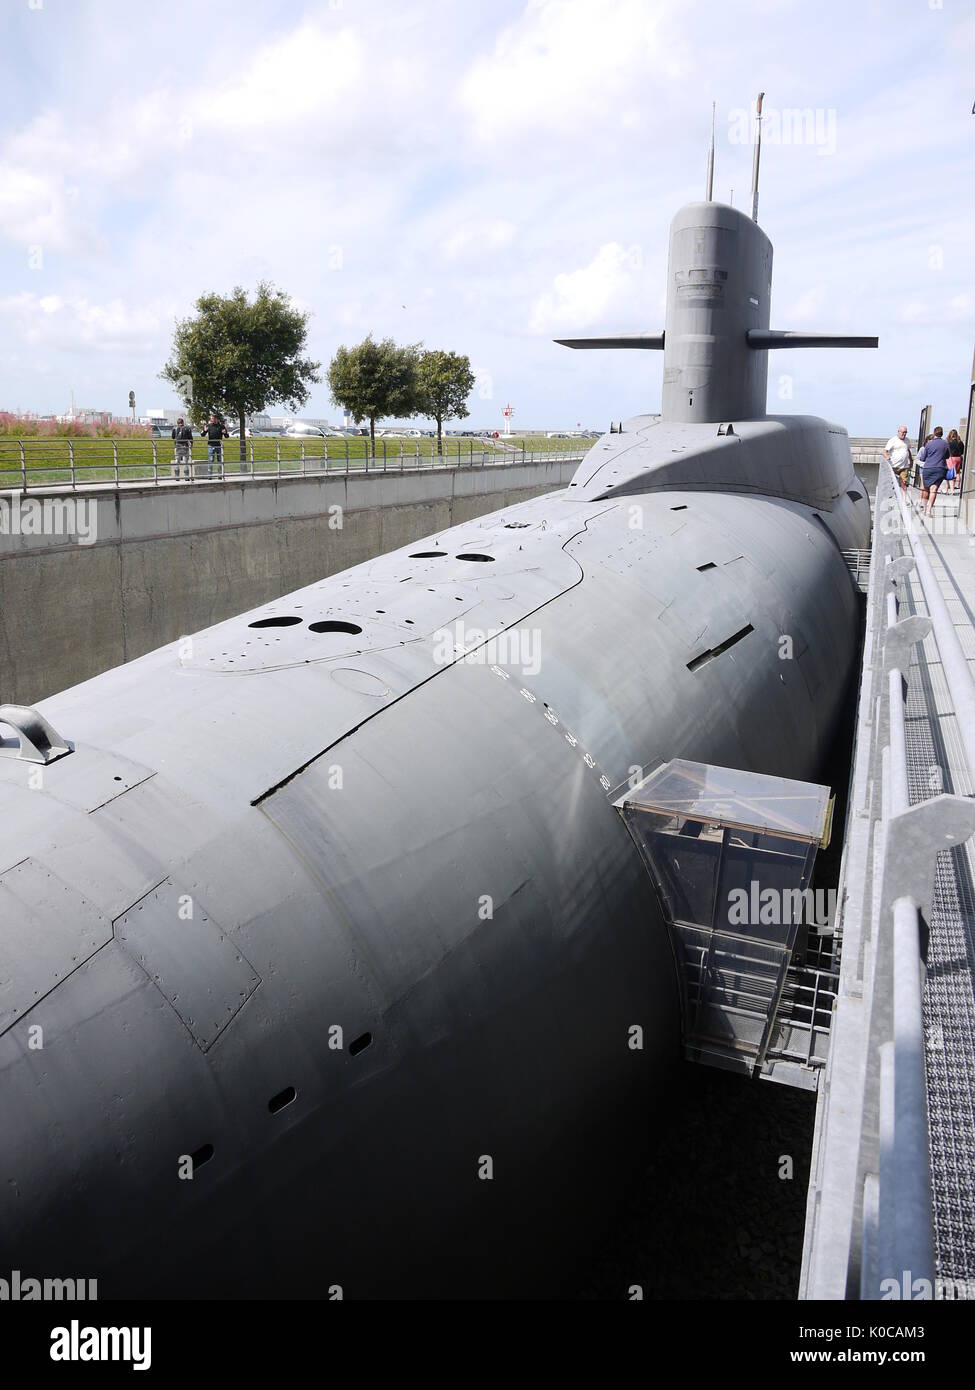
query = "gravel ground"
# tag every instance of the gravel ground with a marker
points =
(712, 1218)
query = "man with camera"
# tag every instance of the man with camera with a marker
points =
(216, 433)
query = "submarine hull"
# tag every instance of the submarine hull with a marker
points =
(346, 972)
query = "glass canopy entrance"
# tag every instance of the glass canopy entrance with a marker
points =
(731, 856)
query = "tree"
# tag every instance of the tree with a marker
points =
(373, 381)
(444, 381)
(238, 357)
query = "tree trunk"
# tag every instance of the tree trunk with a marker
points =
(439, 435)
(243, 443)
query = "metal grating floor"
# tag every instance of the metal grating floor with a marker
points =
(936, 763)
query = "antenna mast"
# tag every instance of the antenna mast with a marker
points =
(758, 155)
(711, 158)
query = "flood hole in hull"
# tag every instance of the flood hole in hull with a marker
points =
(329, 625)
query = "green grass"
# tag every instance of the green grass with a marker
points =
(48, 460)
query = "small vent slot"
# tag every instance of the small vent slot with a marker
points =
(201, 1156)
(282, 1099)
(427, 554)
(481, 559)
(360, 1044)
(682, 507)
(275, 622)
(855, 496)
(709, 566)
(705, 657)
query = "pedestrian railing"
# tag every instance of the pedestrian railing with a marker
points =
(32, 464)
(869, 1216)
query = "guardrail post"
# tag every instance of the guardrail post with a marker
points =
(155, 462)
(23, 463)
(71, 462)
(301, 446)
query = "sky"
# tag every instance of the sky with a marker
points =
(482, 176)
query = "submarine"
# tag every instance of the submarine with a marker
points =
(323, 944)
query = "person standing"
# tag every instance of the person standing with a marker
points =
(216, 433)
(956, 452)
(898, 454)
(934, 458)
(183, 436)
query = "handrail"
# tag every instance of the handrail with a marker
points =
(36, 465)
(957, 671)
(869, 1214)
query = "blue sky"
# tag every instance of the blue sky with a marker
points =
(481, 177)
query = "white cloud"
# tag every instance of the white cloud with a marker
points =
(936, 309)
(807, 310)
(307, 75)
(477, 239)
(567, 64)
(586, 297)
(58, 324)
(36, 207)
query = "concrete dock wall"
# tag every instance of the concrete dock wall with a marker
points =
(868, 454)
(164, 561)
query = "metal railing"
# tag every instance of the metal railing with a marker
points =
(869, 1214)
(34, 464)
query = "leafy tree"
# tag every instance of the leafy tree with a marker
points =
(373, 381)
(444, 381)
(238, 357)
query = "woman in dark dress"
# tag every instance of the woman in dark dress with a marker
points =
(934, 462)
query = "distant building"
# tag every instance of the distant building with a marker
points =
(84, 415)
